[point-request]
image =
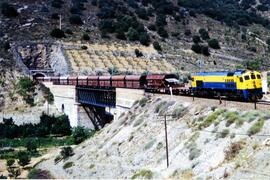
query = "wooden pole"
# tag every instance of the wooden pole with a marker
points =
(166, 139)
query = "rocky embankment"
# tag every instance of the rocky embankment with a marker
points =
(204, 142)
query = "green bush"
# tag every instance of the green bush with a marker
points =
(256, 127)
(132, 34)
(68, 165)
(196, 48)
(57, 33)
(76, 20)
(196, 39)
(147, 174)
(39, 174)
(194, 153)
(152, 27)
(31, 146)
(187, 32)
(86, 37)
(80, 134)
(66, 152)
(213, 43)
(231, 117)
(144, 39)
(10, 162)
(143, 102)
(8, 10)
(224, 133)
(24, 158)
(204, 34)
(162, 32)
(157, 46)
(57, 3)
(138, 53)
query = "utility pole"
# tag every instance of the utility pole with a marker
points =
(60, 21)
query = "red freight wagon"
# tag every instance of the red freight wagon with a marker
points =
(105, 81)
(93, 81)
(55, 80)
(118, 81)
(63, 80)
(72, 80)
(159, 80)
(82, 80)
(135, 81)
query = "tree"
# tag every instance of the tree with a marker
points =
(76, 20)
(162, 32)
(57, 33)
(86, 37)
(152, 27)
(132, 34)
(196, 48)
(205, 50)
(187, 32)
(213, 43)
(24, 158)
(204, 34)
(57, 4)
(144, 39)
(8, 10)
(157, 46)
(121, 35)
(196, 39)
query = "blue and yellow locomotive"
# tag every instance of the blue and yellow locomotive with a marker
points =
(240, 84)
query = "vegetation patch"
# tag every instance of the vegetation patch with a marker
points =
(256, 127)
(138, 122)
(231, 117)
(179, 111)
(210, 119)
(143, 102)
(224, 133)
(194, 153)
(149, 144)
(68, 165)
(39, 174)
(233, 150)
(147, 174)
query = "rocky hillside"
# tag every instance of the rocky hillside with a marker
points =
(204, 142)
(218, 34)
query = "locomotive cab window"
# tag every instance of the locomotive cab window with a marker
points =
(253, 76)
(258, 76)
(241, 79)
(246, 77)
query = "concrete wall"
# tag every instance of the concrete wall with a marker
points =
(64, 99)
(125, 98)
(83, 119)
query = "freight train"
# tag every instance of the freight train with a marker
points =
(241, 84)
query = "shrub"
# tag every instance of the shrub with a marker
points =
(196, 48)
(39, 174)
(224, 133)
(213, 43)
(8, 10)
(57, 3)
(205, 51)
(233, 150)
(79, 134)
(138, 53)
(24, 158)
(76, 20)
(84, 47)
(157, 46)
(256, 127)
(196, 39)
(230, 117)
(86, 37)
(194, 153)
(121, 35)
(57, 33)
(187, 32)
(68, 165)
(55, 16)
(147, 174)
(69, 31)
(143, 102)
(211, 118)
(162, 32)
(31, 146)
(204, 34)
(149, 144)
(152, 27)
(142, 13)
(132, 34)
(66, 152)
(144, 39)
(10, 162)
